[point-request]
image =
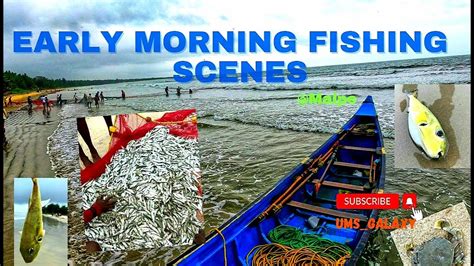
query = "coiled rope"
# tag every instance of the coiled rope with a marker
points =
(293, 247)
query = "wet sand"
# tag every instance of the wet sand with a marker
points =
(451, 105)
(61, 219)
(27, 136)
(25, 156)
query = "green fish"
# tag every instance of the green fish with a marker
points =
(33, 233)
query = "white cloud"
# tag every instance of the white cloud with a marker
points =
(299, 17)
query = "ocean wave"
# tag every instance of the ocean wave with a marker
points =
(297, 88)
(210, 125)
(283, 98)
(273, 112)
(291, 127)
(272, 87)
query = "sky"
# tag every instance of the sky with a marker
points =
(54, 189)
(300, 17)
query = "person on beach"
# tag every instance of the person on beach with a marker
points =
(30, 105)
(190, 91)
(47, 108)
(30, 102)
(96, 100)
(167, 92)
(102, 98)
(178, 91)
(75, 98)
(123, 95)
(85, 99)
(89, 101)
(42, 101)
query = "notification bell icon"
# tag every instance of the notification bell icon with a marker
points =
(409, 201)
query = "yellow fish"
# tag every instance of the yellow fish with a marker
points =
(425, 129)
(33, 233)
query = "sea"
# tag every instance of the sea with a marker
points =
(253, 134)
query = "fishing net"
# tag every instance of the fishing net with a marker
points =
(39, 102)
(128, 127)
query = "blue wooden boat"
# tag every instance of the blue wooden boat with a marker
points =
(350, 161)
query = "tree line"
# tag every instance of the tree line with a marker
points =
(14, 82)
(55, 209)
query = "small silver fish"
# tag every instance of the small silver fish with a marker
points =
(150, 177)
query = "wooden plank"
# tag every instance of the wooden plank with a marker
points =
(341, 185)
(353, 165)
(327, 211)
(354, 148)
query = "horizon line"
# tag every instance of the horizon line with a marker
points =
(170, 77)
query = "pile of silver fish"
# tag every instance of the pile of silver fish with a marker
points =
(155, 180)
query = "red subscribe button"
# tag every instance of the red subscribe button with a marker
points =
(367, 201)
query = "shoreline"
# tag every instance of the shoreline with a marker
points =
(61, 218)
(19, 99)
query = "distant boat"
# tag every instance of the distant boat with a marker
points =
(351, 161)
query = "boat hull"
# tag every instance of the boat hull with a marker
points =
(245, 230)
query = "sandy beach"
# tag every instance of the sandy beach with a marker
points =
(25, 155)
(61, 218)
(451, 106)
(27, 137)
(458, 217)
